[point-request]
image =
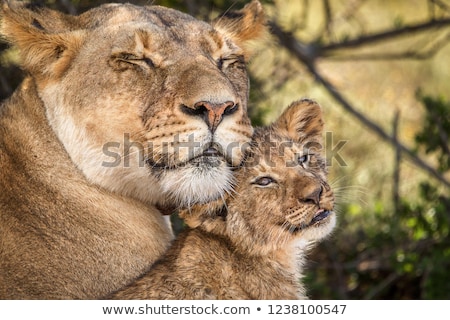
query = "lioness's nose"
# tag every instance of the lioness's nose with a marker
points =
(212, 113)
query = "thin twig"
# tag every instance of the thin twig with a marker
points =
(328, 17)
(304, 17)
(396, 176)
(382, 56)
(414, 55)
(389, 34)
(443, 6)
(381, 286)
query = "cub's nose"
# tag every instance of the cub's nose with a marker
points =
(212, 113)
(314, 196)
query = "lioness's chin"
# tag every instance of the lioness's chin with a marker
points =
(200, 180)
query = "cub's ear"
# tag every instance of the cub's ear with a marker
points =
(43, 52)
(243, 25)
(301, 120)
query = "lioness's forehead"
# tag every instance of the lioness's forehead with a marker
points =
(110, 14)
(165, 28)
(122, 14)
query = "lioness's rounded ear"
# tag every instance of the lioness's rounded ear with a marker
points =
(301, 119)
(43, 52)
(243, 25)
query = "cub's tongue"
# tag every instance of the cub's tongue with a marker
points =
(320, 215)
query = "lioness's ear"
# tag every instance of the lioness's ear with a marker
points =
(42, 51)
(302, 119)
(243, 25)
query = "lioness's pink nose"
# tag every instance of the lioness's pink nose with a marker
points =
(212, 113)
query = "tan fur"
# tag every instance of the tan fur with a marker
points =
(119, 82)
(252, 244)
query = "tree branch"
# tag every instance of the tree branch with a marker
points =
(307, 57)
(396, 175)
(440, 5)
(428, 53)
(370, 39)
(374, 291)
(328, 17)
(304, 16)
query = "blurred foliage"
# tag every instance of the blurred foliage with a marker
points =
(428, 219)
(435, 137)
(385, 246)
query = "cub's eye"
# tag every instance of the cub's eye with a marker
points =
(264, 181)
(220, 63)
(226, 62)
(304, 159)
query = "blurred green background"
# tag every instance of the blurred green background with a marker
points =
(381, 71)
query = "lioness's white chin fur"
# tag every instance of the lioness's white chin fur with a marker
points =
(197, 184)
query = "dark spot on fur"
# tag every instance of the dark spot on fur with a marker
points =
(59, 51)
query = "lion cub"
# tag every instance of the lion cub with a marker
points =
(251, 244)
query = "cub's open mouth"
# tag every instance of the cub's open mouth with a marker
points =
(318, 217)
(210, 157)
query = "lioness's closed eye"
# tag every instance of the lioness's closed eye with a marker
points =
(251, 244)
(124, 110)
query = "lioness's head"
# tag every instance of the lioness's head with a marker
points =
(148, 101)
(281, 196)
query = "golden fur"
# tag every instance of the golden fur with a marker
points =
(90, 142)
(252, 244)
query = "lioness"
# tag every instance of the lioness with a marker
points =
(124, 109)
(251, 245)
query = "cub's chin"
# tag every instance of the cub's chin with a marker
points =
(200, 180)
(320, 226)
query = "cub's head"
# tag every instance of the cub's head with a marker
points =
(281, 195)
(148, 101)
